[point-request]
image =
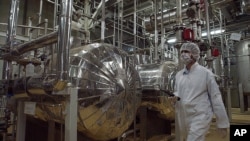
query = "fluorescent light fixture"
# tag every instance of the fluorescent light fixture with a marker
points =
(213, 32)
(172, 40)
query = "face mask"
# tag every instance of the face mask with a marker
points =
(186, 58)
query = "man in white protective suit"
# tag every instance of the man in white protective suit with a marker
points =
(200, 98)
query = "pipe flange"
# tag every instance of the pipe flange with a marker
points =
(26, 61)
(200, 23)
(194, 20)
(179, 27)
(209, 58)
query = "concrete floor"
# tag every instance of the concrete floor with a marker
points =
(214, 136)
(237, 118)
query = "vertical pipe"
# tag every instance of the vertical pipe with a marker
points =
(52, 50)
(222, 52)
(40, 16)
(207, 22)
(143, 32)
(12, 22)
(21, 122)
(71, 116)
(25, 9)
(103, 22)
(11, 33)
(45, 33)
(134, 50)
(178, 20)
(30, 25)
(121, 17)
(64, 40)
(210, 64)
(156, 32)
(55, 14)
(114, 34)
(162, 34)
(118, 24)
(135, 26)
(178, 40)
(86, 20)
(229, 104)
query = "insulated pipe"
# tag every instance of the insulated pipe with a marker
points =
(55, 14)
(209, 56)
(53, 47)
(222, 52)
(229, 105)
(11, 33)
(64, 40)
(114, 30)
(178, 12)
(86, 20)
(135, 26)
(178, 20)
(156, 32)
(35, 44)
(162, 33)
(40, 15)
(207, 22)
(120, 16)
(12, 23)
(103, 22)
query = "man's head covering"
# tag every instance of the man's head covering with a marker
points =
(193, 49)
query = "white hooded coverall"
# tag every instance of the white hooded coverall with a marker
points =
(200, 99)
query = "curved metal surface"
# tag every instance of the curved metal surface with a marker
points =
(142, 59)
(154, 78)
(109, 91)
(243, 64)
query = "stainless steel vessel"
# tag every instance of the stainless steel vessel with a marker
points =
(243, 64)
(109, 91)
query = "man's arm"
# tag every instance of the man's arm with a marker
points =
(217, 103)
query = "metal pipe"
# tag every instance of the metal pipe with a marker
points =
(96, 13)
(222, 52)
(54, 46)
(162, 34)
(40, 15)
(64, 40)
(86, 26)
(134, 51)
(229, 105)
(35, 44)
(55, 14)
(178, 20)
(156, 32)
(209, 56)
(120, 19)
(114, 37)
(27, 26)
(12, 22)
(207, 22)
(103, 22)
(135, 26)
(45, 33)
(11, 33)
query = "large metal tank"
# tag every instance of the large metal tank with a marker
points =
(157, 75)
(109, 91)
(243, 64)
(157, 82)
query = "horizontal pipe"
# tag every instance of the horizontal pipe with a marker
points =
(35, 44)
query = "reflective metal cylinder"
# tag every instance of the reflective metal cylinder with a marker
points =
(243, 62)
